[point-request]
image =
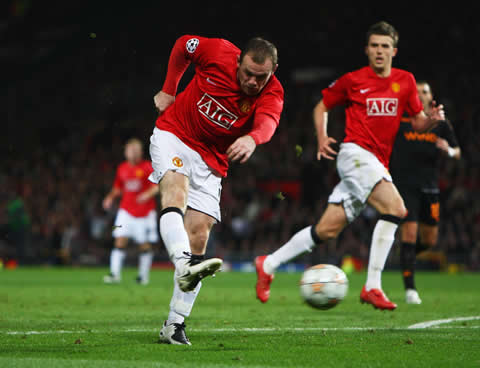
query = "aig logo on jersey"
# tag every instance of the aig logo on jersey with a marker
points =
(133, 185)
(382, 106)
(215, 112)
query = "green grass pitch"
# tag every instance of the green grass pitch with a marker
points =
(68, 318)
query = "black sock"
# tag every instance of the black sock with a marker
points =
(420, 247)
(407, 261)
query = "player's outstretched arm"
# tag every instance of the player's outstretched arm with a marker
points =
(442, 145)
(148, 193)
(320, 119)
(423, 122)
(110, 197)
(178, 63)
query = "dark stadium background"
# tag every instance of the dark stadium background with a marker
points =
(78, 79)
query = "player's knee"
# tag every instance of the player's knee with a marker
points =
(398, 209)
(409, 233)
(327, 232)
(145, 247)
(120, 243)
(173, 190)
(175, 197)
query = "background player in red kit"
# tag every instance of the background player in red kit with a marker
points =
(136, 218)
(375, 97)
(232, 104)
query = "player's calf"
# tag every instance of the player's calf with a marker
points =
(117, 257)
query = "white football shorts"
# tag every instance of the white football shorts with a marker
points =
(140, 229)
(359, 171)
(168, 152)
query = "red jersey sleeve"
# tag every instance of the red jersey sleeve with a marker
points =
(263, 128)
(118, 182)
(187, 49)
(337, 92)
(267, 116)
(414, 105)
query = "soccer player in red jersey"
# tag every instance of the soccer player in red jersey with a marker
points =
(375, 97)
(232, 104)
(136, 217)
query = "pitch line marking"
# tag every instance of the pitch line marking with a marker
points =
(438, 322)
(244, 329)
(248, 329)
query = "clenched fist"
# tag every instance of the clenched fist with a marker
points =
(162, 100)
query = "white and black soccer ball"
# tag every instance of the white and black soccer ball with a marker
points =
(323, 286)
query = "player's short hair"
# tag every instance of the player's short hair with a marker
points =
(383, 28)
(422, 81)
(134, 141)
(260, 49)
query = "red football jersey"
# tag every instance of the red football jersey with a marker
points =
(374, 107)
(133, 180)
(212, 111)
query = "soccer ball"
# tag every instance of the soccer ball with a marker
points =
(323, 286)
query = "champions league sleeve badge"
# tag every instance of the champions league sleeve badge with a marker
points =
(192, 45)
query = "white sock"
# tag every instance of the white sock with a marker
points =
(116, 261)
(300, 243)
(174, 317)
(382, 241)
(144, 264)
(181, 303)
(174, 236)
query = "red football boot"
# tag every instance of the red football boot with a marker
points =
(377, 298)
(263, 280)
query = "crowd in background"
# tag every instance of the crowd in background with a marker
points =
(61, 152)
(51, 209)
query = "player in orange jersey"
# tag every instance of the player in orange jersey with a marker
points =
(414, 168)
